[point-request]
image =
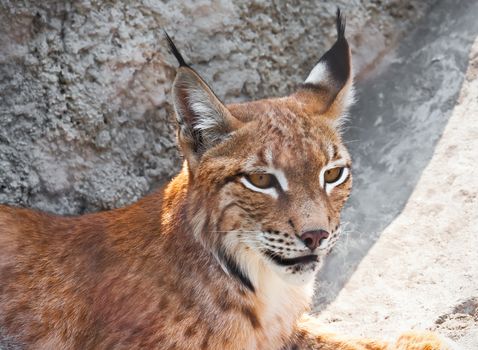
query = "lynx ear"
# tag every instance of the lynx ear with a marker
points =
(202, 118)
(328, 90)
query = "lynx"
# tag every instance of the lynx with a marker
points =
(223, 257)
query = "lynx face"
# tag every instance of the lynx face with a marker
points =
(273, 192)
(267, 179)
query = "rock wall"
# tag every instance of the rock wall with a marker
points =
(85, 122)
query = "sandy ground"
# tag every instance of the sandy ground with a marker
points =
(422, 272)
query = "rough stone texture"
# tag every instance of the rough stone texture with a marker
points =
(85, 122)
(461, 323)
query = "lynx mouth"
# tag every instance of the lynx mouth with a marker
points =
(306, 259)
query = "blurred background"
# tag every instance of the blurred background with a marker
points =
(86, 124)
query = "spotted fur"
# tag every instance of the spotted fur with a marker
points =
(211, 261)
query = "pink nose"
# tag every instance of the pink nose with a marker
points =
(312, 239)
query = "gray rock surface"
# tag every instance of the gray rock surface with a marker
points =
(409, 257)
(422, 272)
(403, 106)
(85, 122)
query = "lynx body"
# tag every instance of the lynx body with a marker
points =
(223, 257)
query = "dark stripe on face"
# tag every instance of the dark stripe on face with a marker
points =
(234, 269)
(223, 212)
(219, 184)
(251, 316)
(335, 152)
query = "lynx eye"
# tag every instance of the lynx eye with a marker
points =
(262, 181)
(270, 182)
(333, 175)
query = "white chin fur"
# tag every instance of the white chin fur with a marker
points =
(298, 278)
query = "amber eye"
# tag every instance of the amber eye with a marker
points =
(333, 175)
(261, 180)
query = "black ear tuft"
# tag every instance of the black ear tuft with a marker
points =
(337, 59)
(341, 21)
(329, 83)
(174, 50)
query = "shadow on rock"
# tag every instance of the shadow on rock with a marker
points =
(402, 109)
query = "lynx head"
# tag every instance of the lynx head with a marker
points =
(267, 179)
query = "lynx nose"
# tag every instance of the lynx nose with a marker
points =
(312, 239)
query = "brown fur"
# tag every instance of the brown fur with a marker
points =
(137, 278)
(186, 267)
